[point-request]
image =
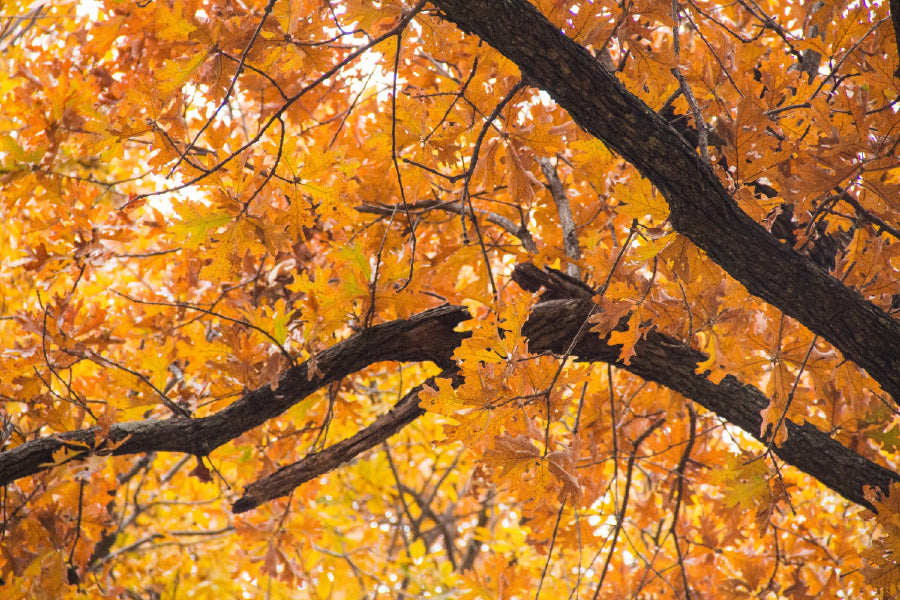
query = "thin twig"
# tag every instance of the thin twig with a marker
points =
(679, 490)
(467, 198)
(620, 517)
(457, 207)
(460, 94)
(409, 219)
(562, 507)
(269, 173)
(582, 331)
(370, 314)
(790, 397)
(699, 123)
(212, 313)
(566, 221)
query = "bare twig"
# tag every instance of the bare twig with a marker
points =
(566, 222)
(679, 495)
(559, 515)
(467, 198)
(620, 516)
(212, 313)
(457, 207)
(699, 123)
(412, 224)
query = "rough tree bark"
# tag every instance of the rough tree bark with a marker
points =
(553, 324)
(430, 336)
(701, 209)
(426, 336)
(700, 206)
(895, 20)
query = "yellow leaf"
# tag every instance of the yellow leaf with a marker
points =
(175, 73)
(650, 247)
(639, 198)
(746, 481)
(417, 549)
(197, 224)
(175, 26)
(590, 152)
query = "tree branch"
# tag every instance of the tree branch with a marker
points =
(430, 336)
(700, 206)
(670, 363)
(895, 19)
(566, 221)
(457, 207)
(426, 336)
(281, 482)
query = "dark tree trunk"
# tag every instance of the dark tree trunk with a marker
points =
(700, 206)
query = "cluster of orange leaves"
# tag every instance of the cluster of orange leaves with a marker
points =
(169, 232)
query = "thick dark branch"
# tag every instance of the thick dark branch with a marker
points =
(895, 19)
(668, 362)
(281, 482)
(431, 336)
(700, 206)
(661, 359)
(426, 336)
(551, 327)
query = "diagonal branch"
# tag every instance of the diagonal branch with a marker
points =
(658, 358)
(281, 482)
(426, 336)
(670, 363)
(566, 221)
(430, 336)
(551, 327)
(457, 207)
(700, 206)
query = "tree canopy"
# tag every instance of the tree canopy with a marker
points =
(450, 298)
